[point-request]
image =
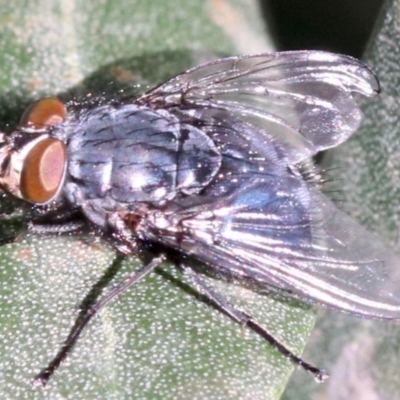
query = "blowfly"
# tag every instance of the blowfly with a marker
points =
(210, 166)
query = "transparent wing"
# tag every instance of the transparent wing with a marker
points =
(282, 233)
(302, 99)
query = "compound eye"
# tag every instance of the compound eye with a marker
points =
(46, 112)
(43, 171)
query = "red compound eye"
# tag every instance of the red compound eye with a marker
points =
(43, 171)
(45, 112)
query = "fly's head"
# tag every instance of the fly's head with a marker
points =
(32, 162)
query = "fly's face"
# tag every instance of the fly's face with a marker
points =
(33, 164)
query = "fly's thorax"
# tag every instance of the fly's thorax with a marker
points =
(122, 156)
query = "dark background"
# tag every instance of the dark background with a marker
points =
(342, 26)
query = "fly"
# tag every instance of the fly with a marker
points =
(210, 165)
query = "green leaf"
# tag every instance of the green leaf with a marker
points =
(158, 341)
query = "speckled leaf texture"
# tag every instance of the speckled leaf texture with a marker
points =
(158, 341)
(363, 356)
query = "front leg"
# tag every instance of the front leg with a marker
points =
(54, 229)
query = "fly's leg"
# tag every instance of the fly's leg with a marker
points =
(44, 229)
(44, 376)
(246, 320)
(55, 228)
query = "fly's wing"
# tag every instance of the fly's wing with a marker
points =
(301, 99)
(274, 228)
(280, 232)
